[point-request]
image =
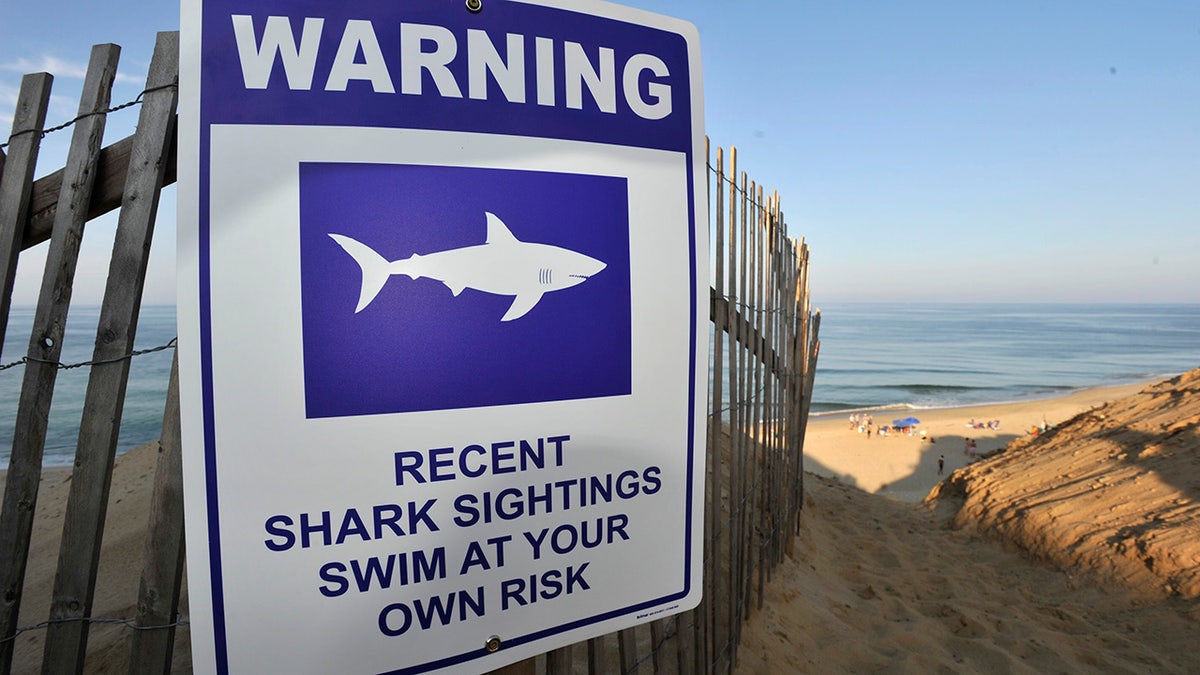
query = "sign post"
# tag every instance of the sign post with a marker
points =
(443, 329)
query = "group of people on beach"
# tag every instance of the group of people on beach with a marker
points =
(862, 423)
(1041, 428)
(885, 430)
(990, 424)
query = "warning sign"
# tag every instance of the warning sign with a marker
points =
(443, 327)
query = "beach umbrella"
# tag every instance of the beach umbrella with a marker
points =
(906, 422)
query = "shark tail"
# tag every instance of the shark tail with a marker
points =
(375, 268)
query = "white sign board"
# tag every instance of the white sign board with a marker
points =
(443, 329)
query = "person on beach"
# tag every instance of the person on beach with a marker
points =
(941, 463)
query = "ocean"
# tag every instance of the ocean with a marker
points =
(145, 396)
(913, 356)
(873, 356)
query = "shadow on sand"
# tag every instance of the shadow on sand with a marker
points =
(916, 485)
(813, 466)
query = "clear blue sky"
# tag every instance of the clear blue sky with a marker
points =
(927, 151)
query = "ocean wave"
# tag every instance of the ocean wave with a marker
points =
(934, 387)
(1044, 388)
(835, 408)
(819, 411)
(891, 370)
(903, 407)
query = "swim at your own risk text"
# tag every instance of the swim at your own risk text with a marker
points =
(463, 528)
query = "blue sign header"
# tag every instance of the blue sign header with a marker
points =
(430, 64)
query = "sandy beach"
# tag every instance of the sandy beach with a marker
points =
(881, 580)
(1077, 550)
(120, 565)
(904, 467)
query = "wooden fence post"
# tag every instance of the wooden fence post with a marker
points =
(627, 650)
(714, 544)
(49, 318)
(733, 480)
(21, 484)
(153, 639)
(760, 292)
(597, 655)
(16, 184)
(75, 582)
(738, 385)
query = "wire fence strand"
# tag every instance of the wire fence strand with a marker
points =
(68, 366)
(78, 118)
(131, 624)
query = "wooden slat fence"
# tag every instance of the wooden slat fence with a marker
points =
(764, 354)
(133, 185)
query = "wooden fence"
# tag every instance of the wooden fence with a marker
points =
(763, 361)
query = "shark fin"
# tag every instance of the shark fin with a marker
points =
(497, 231)
(455, 289)
(375, 270)
(521, 306)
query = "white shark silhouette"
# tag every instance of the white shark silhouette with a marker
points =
(503, 265)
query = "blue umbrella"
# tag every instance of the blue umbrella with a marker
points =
(906, 422)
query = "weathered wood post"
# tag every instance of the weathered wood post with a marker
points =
(153, 641)
(75, 581)
(16, 183)
(29, 433)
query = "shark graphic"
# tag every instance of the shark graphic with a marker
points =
(503, 265)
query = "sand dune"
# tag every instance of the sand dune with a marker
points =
(1075, 551)
(880, 586)
(1113, 491)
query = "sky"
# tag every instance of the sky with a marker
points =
(926, 151)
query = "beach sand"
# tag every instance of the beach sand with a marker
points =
(878, 582)
(1075, 551)
(120, 567)
(905, 467)
(875, 585)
